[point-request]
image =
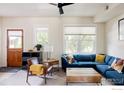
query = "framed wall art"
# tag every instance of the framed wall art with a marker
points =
(121, 29)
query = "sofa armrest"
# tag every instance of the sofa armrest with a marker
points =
(64, 62)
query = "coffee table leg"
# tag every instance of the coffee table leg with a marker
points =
(66, 83)
(100, 83)
(58, 67)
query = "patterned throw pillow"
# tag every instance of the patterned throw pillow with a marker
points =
(118, 66)
(100, 58)
(70, 59)
(113, 63)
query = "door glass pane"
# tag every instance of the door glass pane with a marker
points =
(15, 39)
(15, 33)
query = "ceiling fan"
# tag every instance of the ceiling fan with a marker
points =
(60, 5)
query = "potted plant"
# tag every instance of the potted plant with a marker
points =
(38, 46)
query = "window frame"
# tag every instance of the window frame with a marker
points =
(35, 33)
(80, 25)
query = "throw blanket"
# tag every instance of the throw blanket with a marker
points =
(37, 69)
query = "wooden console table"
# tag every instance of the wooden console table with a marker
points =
(27, 55)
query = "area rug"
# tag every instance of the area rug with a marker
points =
(9, 69)
(57, 79)
(4, 76)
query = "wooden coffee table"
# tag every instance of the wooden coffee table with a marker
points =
(86, 75)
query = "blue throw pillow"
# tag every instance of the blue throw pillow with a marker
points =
(111, 61)
(107, 58)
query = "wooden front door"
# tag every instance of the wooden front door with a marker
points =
(14, 47)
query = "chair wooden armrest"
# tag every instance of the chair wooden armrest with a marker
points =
(47, 68)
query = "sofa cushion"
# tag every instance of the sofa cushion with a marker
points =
(83, 64)
(102, 68)
(88, 63)
(117, 78)
(114, 74)
(81, 57)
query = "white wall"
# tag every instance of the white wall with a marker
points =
(55, 34)
(0, 40)
(100, 47)
(114, 46)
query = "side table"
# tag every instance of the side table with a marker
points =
(52, 62)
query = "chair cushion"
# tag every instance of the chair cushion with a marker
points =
(37, 69)
(81, 57)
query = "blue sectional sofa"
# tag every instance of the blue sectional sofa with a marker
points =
(104, 69)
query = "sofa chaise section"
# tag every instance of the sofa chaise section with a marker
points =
(81, 60)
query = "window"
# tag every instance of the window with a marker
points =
(41, 35)
(79, 39)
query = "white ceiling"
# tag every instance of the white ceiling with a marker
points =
(45, 9)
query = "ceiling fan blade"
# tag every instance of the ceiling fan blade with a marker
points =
(55, 4)
(65, 4)
(61, 10)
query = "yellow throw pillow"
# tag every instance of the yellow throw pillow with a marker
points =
(100, 58)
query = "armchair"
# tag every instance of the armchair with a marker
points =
(43, 68)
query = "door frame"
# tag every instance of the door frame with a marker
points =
(8, 40)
